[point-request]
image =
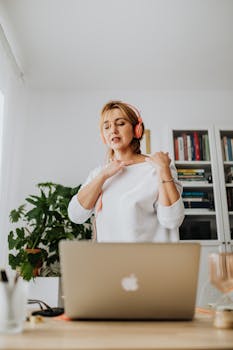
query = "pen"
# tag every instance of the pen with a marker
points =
(3, 276)
(16, 278)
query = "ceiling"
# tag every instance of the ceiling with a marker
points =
(125, 44)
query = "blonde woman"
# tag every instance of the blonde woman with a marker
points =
(135, 197)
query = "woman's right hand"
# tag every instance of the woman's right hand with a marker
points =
(114, 167)
(90, 193)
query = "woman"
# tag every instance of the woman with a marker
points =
(135, 197)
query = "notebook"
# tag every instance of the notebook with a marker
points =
(132, 281)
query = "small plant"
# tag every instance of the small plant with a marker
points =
(43, 222)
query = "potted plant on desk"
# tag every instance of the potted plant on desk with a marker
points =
(43, 222)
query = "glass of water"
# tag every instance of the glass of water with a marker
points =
(221, 276)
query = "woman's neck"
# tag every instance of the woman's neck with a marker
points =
(126, 156)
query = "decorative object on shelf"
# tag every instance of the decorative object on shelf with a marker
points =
(43, 222)
(221, 276)
(145, 142)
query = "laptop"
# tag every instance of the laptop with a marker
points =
(129, 281)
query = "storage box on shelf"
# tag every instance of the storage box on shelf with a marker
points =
(194, 156)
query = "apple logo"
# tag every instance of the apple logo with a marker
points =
(130, 283)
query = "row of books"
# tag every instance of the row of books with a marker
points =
(192, 146)
(227, 148)
(198, 199)
(192, 175)
(230, 198)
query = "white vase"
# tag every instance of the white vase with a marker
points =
(46, 289)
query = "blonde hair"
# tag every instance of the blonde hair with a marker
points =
(133, 116)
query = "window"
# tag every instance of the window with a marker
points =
(1, 124)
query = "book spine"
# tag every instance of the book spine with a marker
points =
(229, 149)
(185, 143)
(181, 148)
(197, 205)
(200, 145)
(207, 148)
(176, 148)
(225, 148)
(197, 146)
(232, 145)
(194, 193)
(203, 146)
(189, 146)
(193, 147)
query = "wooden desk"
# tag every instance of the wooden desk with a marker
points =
(55, 335)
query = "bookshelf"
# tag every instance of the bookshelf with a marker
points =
(210, 223)
(224, 148)
(194, 155)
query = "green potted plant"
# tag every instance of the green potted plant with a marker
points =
(42, 222)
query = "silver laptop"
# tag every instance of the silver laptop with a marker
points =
(129, 280)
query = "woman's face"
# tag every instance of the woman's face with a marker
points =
(117, 130)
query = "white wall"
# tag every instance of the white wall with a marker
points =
(61, 133)
(53, 135)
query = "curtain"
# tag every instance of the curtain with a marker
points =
(10, 81)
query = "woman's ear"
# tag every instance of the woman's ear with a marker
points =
(138, 130)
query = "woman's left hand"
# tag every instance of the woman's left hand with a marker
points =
(168, 193)
(159, 160)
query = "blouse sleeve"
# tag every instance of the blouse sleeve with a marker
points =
(172, 216)
(76, 212)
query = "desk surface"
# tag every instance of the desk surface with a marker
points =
(56, 334)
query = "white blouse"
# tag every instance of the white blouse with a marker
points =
(130, 208)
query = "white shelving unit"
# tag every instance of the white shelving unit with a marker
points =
(225, 167)
(200, 224)
(212, 224)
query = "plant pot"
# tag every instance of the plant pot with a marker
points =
(36, 270)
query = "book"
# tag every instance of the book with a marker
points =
(191, 170)
(191, 174)
(200, 145)
(192, 147)
(203, 146)
(194, 193)
(197, 204)
(189, 146)
(185, 143)
(229, 149)
(232, 144)
(180, 148)
(207, 148)
(225, 148)
(194, 183)
(176, 148)
(193, 199)
(196, 146)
